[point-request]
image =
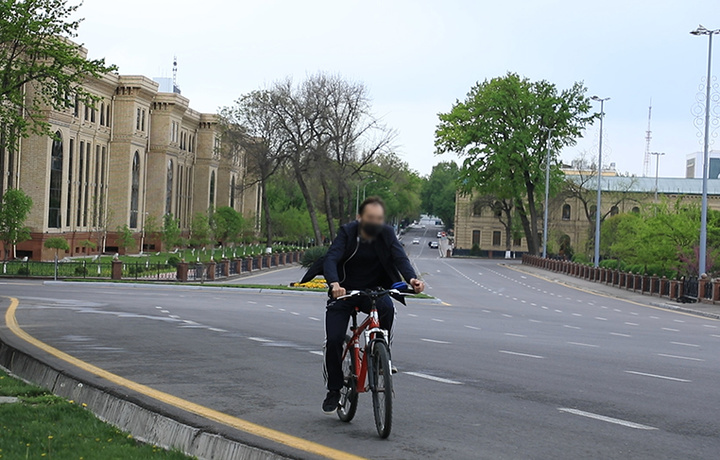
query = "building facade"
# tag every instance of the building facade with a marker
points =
(137, 154)
(479, 221)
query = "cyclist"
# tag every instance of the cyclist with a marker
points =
(365, 254)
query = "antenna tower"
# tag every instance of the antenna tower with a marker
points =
(648, 137)
(175, 72)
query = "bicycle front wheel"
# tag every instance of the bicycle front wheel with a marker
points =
(348, 393)
(382, 390)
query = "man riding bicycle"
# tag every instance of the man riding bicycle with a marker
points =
(365, 254)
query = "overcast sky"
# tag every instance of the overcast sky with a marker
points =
(417, 57)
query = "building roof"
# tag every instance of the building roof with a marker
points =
(666, 185)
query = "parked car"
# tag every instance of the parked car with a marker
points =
(434, 244)
(416, 241)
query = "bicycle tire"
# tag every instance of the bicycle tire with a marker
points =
(382, 389)
(348, 394)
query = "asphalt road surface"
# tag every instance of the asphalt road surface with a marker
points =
(510, 365)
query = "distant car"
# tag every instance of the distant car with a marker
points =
(416, 241)
(440, 234)
(434, 244)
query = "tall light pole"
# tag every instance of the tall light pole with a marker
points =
(657, 168)
(547, 190)
(702, 265)
(599, 180)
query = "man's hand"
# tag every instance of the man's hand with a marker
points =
(337, 291)
(417, 285)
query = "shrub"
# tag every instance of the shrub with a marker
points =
(136, 269)
(612, 264)
(23, 271)
(475, 250)
(174, 260)
(581, 258)
(81, 270)
(312, 254)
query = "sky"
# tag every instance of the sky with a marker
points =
(417, 57)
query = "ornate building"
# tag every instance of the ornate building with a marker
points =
(138, 153)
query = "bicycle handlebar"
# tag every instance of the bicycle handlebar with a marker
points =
(398, 289)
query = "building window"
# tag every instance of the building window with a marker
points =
(88, 151)
(477, 209)
(87, 112)
(169, 188)
(636, 210)
(142, 122)
(92, 115)
(102, 114)
(476, 238)
(107, 115)
(55, 193)
(497, 236)
(96, 184)
(614, 211)
(517, 242)
(137, 120)
(212, 190)
(71, 154)
(76, 107)
(232, 192)
(135, 191)
(81, 164)
(566, 212)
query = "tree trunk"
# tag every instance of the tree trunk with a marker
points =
(508, 230)
(328, 207)
(530, 188)
(527, 228)
(309, 202)
(266, 211)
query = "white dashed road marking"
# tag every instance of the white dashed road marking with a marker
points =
(433, 378)
(584, 344)
(514, 353)
(674, 379)
(603, 418)
(259, 339)
(680, 357)
(683, 344)
(435, 341)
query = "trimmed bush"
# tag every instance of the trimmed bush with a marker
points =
(475, 250)
(312, 254)
(174, 260)
(581, 259)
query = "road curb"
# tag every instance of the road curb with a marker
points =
(144, 423)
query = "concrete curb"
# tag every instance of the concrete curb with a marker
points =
(144, 423)
(691, 311)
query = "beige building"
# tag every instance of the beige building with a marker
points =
(137, 153)
(477, 221)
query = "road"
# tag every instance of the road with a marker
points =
(509, 366)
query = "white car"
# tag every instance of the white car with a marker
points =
(440, 234)
(434, 244)
(416, 241)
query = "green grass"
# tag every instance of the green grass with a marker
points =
(190, 256)
(45, 426)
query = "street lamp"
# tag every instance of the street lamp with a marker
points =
(599, 180)
(702, 265)
(657, 166)
(547, 190)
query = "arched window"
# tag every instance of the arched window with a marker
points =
(636, 210)
(232, 192)
(614, 211)
(212, 189)
(169, 188)
(135, 191)
(55, 193)
(477, 209)
(566, 212)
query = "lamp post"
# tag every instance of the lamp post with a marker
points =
(657, 166)
(547, 190)
(599, 180)
(702, 265)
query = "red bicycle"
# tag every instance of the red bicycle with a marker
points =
(366, 363)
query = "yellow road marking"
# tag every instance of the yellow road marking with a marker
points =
(211, 414)
(607, 295)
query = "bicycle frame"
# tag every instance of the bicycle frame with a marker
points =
(369, 330)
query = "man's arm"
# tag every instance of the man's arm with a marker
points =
(333, 257)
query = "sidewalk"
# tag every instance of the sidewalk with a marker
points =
(707, 310)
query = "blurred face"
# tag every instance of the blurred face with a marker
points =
(372, 220)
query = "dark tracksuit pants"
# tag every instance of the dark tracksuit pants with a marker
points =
(337, 318)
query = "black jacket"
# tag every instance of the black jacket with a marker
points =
(395, 262)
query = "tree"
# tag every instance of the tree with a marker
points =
(170, 232)
(14, 209)
(57, 243)
(497, 129)
(200, 230)
(125, 239)
(36, 52)
(251, 130)
(228, 225)
(439, 190)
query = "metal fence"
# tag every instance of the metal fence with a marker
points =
(85, 269)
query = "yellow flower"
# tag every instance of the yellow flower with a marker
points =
(84, 405)
(71, 401)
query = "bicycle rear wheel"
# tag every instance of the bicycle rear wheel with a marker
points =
(348, 393)
(382, 390)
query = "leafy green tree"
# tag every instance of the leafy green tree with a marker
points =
(497, 129)
(228, 225)
(170, 232)
(14, 209)
(35, 49)
(57, 243)
(200, 230)
(125, 239)
(439, 190)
